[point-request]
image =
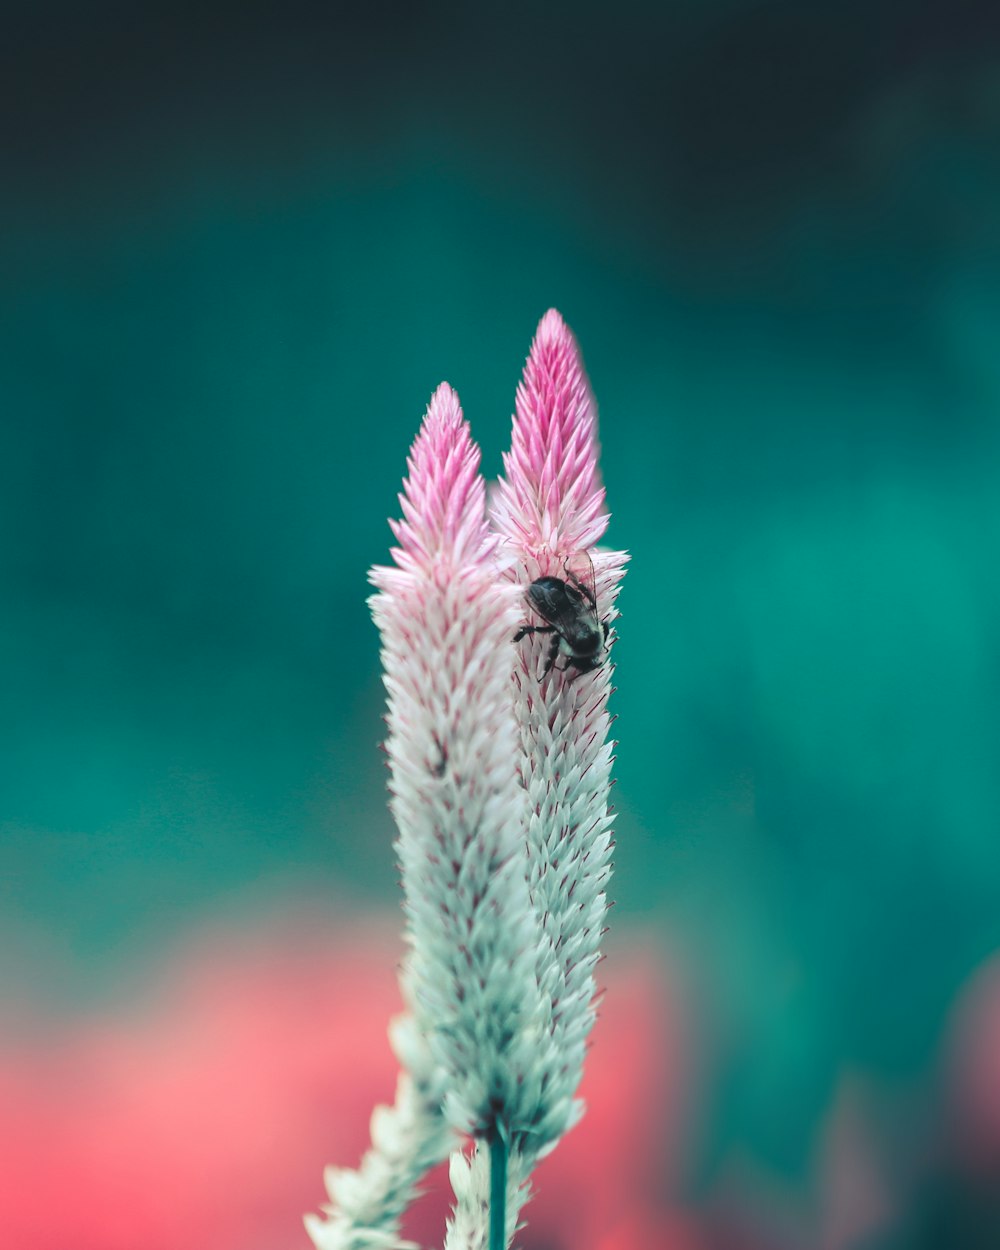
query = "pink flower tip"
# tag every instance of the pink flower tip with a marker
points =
(551, 498)
(443, 497)
(552, 329)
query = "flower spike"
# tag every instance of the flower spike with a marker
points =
(550, 511)
(500, 778)
(446, 620)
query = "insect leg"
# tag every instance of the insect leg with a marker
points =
(533, 629)
(553, 652)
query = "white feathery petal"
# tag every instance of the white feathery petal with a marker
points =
(366, 1205)
(408, 1139)
(469, 1225)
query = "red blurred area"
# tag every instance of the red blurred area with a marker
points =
(203, 1115)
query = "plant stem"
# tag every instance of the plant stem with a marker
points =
(498, 1191)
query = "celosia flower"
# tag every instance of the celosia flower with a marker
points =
(550, 510)
(446, 621)
(500, 783)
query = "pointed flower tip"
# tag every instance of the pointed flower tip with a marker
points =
(552, 328)
(444, 410)
(555, 390)
(552, 497)
(554, 349)
(443, 496)
(442, 430)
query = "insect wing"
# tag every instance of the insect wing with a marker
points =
(580, 573)
(551, 599)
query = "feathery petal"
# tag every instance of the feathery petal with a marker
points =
(468, 1228)
(408, 1139)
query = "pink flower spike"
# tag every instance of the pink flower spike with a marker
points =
(474, 1050)
(496, 656)
(447, 620)
(550, 512)
(443, 499)
(551, 499)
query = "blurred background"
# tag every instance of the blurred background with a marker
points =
(240, 246)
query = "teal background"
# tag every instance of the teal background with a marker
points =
(241, 247)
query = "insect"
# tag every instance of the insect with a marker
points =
(570, 609)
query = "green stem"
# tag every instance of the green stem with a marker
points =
(498, 1191)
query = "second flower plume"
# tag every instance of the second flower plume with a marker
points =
(495, 635)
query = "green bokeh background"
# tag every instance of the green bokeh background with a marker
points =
(240, 249)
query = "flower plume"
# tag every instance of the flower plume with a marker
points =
(446, 621)
(550, 509)
(500, 776)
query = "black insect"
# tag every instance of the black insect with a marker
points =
(570, 608)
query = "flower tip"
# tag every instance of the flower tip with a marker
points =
(551, 498)
(443, 431)
(444, 409)
(443, 494)
(555, 353)
(554, 335)
(552, 325)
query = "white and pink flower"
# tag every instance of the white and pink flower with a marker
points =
(500, 778)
